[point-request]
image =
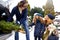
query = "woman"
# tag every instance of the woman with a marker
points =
(21, 17)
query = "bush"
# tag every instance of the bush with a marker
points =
(7, 27)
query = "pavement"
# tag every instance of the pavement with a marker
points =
(21, 36)
(5, 36)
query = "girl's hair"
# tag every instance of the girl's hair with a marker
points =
(21, 3)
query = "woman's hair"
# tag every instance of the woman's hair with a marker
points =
(21, 3)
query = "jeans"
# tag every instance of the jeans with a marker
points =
(25, 24)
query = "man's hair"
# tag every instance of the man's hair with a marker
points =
(21, 3)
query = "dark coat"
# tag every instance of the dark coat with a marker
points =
(19, 17)
(4, 10)
(39, 28)
(53, 37)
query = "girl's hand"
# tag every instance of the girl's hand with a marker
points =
(36, 17)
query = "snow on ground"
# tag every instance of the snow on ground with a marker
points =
(22, 36)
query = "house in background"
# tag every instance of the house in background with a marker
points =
(57, 18)
(57, 21)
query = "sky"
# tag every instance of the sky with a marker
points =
(37, 3)
(40, 3)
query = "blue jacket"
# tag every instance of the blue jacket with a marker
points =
(53, 37)
(19, 17)
(39, 28)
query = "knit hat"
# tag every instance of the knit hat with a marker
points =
(51, 16)
(37, 14)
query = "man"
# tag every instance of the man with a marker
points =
(44, 22)
(4, 9)
(21, 17)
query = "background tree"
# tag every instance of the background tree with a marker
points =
(28, 7)
(36, 10)
(49, 8)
